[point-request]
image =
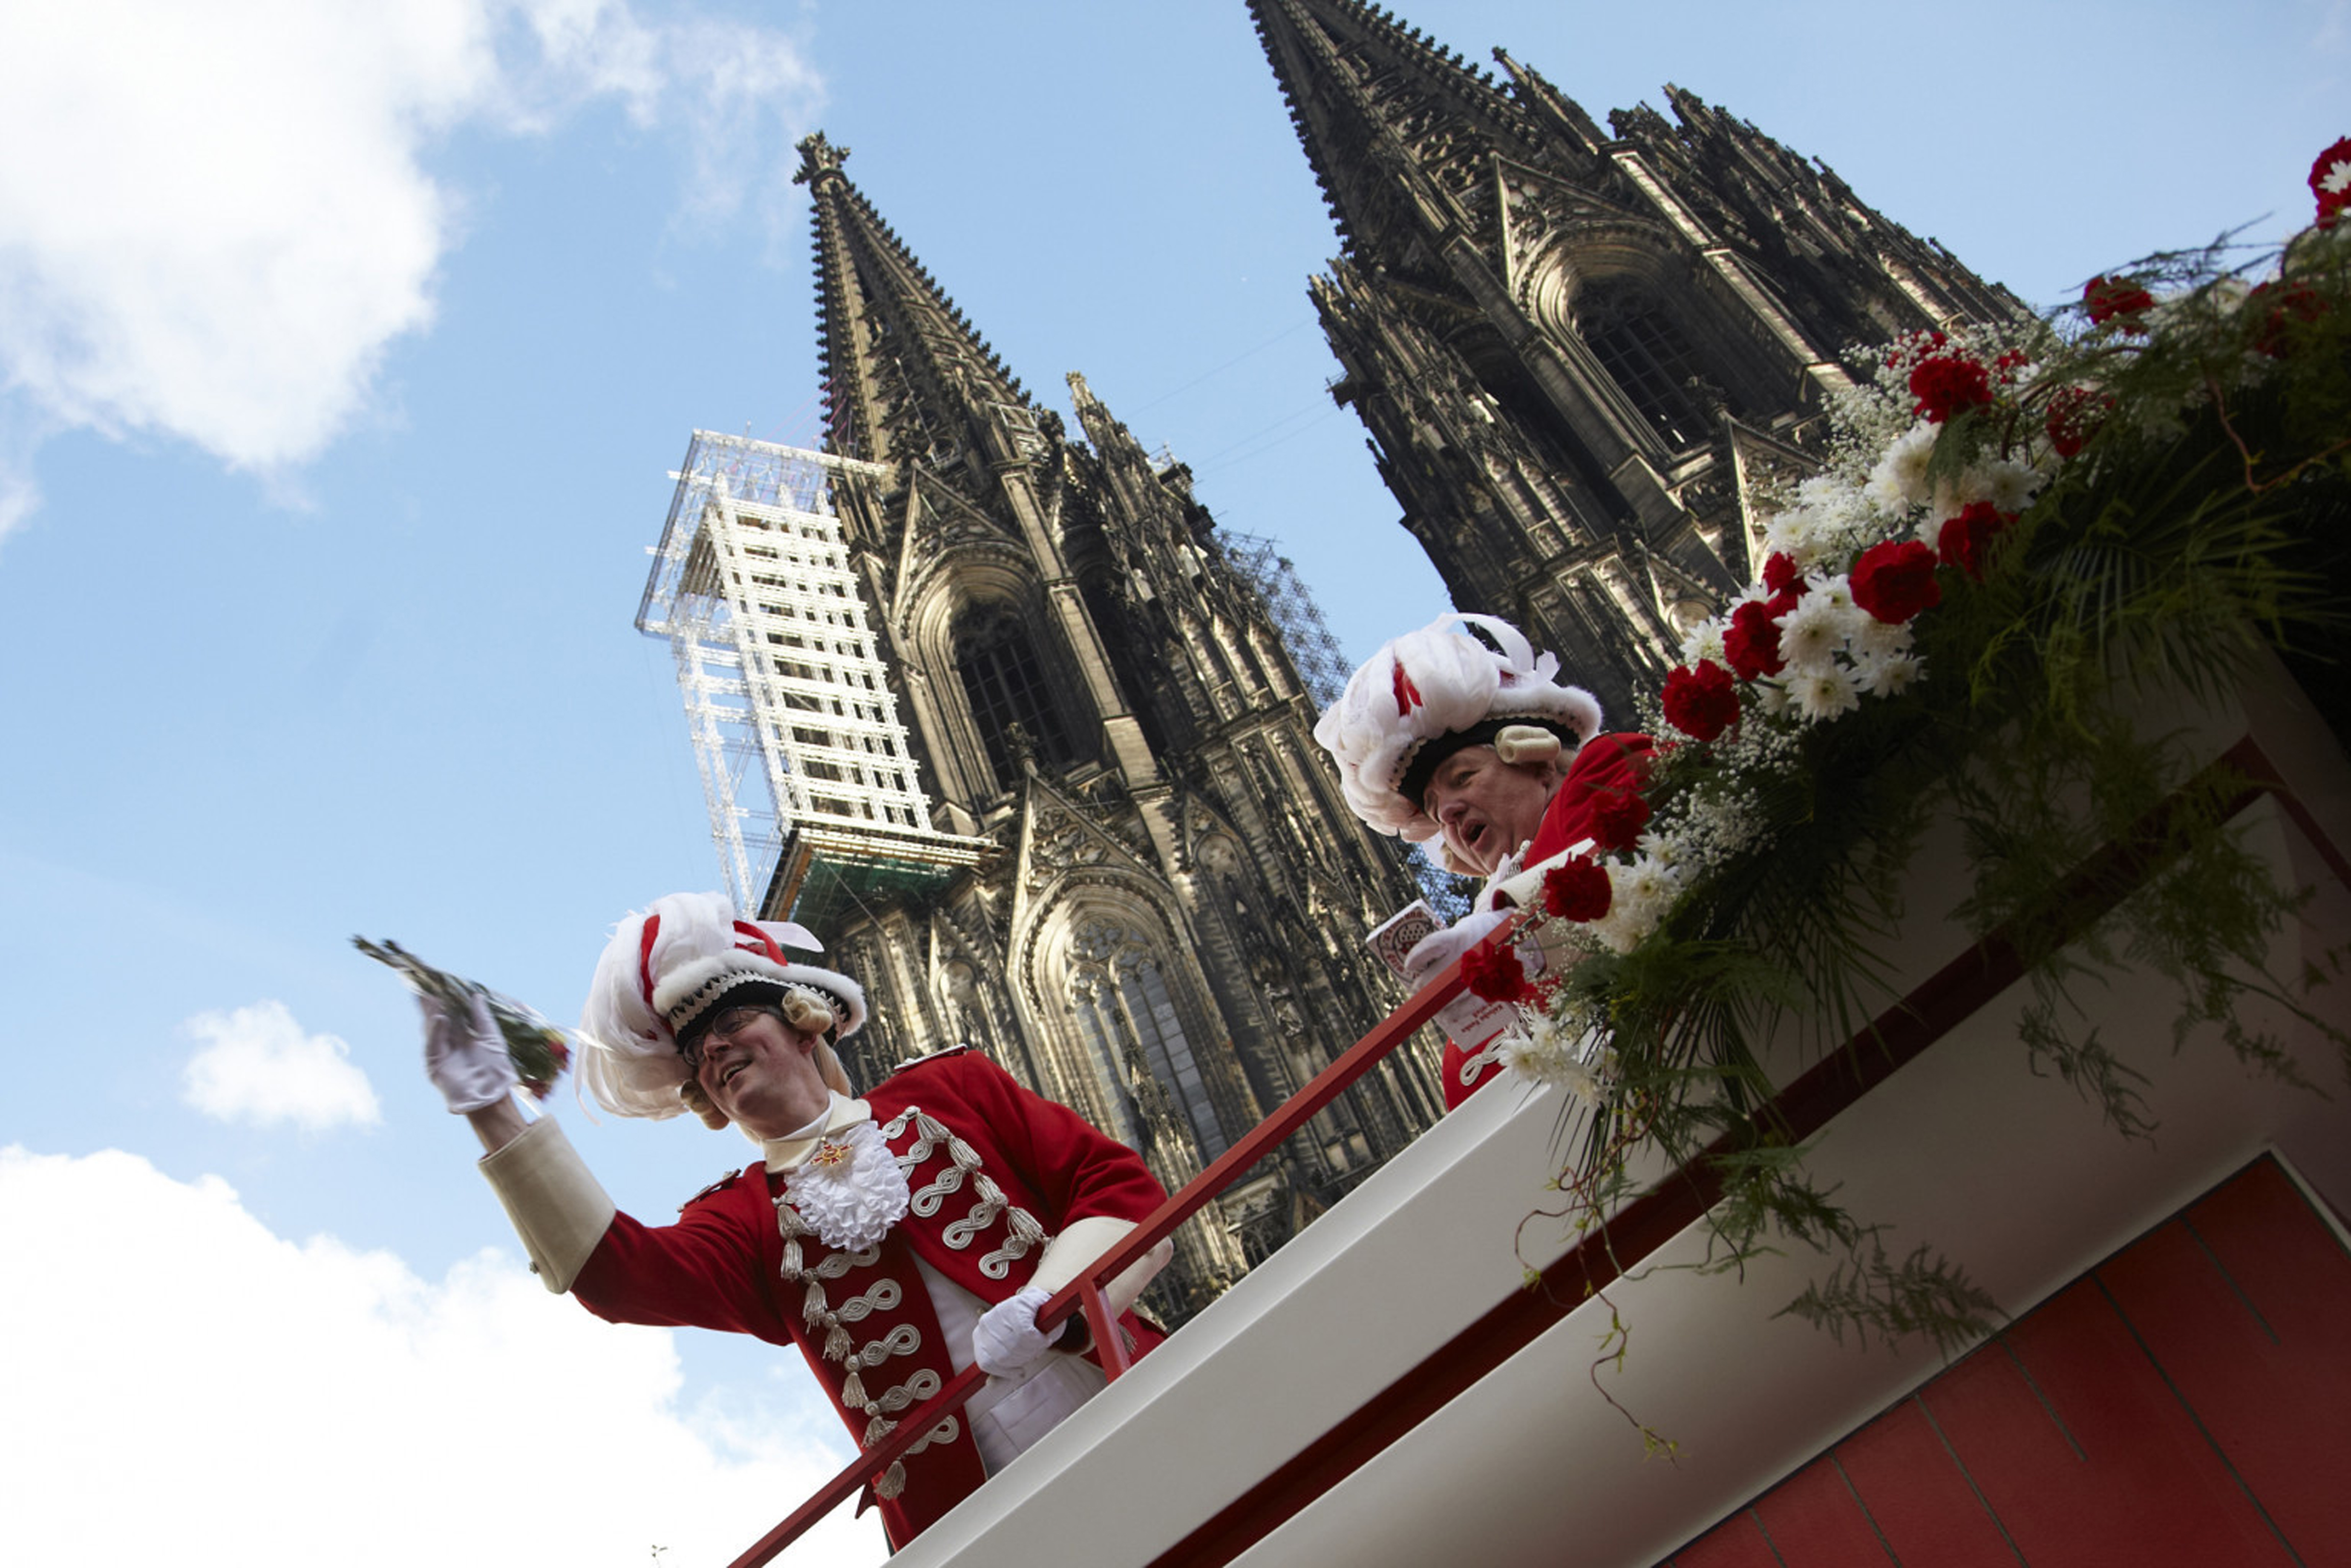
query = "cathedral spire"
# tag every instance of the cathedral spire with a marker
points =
(1401, 133)
(905, 375)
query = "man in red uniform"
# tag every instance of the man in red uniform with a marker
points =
(1472, 740)
(895, 1239)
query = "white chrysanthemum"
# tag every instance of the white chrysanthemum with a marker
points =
(1704, 642)
(1666, 849)
(1553, 1052)
(1640, 895)
(1899, 480)
(1796, 534)
(849, 1188)
(1812, 633)
(1874, 639)
(1892, 674)
(1537, 1065)
(1770, 698)
(1832, 589)
(2008, 486)
(1820, 694)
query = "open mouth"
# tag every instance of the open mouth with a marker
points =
(728, 1074)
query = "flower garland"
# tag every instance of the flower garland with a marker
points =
(2011, 523)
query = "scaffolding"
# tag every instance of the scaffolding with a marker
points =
(1321, 664)
(805, 766)
(1325, 671)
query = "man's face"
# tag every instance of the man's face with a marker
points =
(1484, 807)
(762, 1073)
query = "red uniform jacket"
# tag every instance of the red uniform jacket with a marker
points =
(994, 1171)
(1607, 763)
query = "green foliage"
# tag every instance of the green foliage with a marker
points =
(1922, 1293)
(2206, 515)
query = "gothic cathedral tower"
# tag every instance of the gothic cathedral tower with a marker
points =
(1581, 355)
(1168, 932)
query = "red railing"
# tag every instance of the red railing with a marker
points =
(1085, 1292)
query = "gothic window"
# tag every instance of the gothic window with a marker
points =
(1010, 702)
(1131, 1026)
(1649, 360)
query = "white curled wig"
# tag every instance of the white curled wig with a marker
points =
(678, 965)
(1443, 685)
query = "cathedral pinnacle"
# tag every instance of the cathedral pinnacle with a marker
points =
(818, 157)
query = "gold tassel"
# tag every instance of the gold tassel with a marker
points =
(836, 1344)
(893, 1482)
(852, 1391)
(813, 1305)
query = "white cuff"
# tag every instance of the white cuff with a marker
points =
(558, 1208)
(1080, 1242)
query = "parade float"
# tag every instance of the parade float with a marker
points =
(1929, 1121)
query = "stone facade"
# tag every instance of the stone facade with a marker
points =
(1169, 937)
(1583, 357)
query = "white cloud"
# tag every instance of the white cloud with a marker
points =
(258, 1067)
(215, 216)
(197, 1390)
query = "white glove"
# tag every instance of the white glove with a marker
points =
(464, 1056)
(1007, 1342)
(1439, 948)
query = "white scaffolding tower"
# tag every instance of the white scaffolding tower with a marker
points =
(804, 763)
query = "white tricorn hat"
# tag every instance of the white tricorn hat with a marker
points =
(668, 972)
(1429, 693)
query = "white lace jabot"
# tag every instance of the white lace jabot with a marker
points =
(840, 1177)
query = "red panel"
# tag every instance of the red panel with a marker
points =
(2145, 1489)
(1918, 1494)
(1735, 1543)
(1815, 1522)
(2279, 1408)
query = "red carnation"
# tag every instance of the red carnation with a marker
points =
(1894, 581)
(2075, 416)
(1617, 817)
(1495, 974)
(1751, 642)
(2111, 298)
(1701, 702)
(2330, 182)
(1577, 889)
(2288, 302)
(1945, 384)
(1966, 537)
(1781, 572)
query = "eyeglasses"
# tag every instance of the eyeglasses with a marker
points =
(726, 1027)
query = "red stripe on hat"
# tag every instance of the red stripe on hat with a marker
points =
(645, 961)
(1408, 695)
(761, 942)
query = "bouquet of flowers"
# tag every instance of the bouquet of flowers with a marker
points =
(2011, 526)
(539, 1051)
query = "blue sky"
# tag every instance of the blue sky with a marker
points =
(343, 356)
